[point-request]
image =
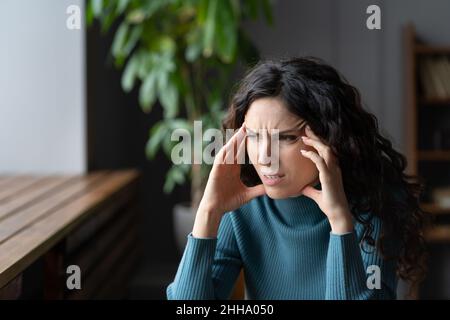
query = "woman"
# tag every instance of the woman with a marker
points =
(336, 219)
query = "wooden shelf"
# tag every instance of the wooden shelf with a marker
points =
(438, 234)
(433, 155)
(418, 121)
(427, 49)
(434, 208)
(427, 102)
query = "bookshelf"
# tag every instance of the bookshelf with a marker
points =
(427, 110)
(428, 123)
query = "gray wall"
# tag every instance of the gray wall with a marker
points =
(42, 100)
(370, 59)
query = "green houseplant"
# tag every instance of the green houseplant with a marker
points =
(180, 53)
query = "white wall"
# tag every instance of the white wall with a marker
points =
(42, 94)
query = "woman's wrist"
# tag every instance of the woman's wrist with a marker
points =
(206, 223)
(341, 223)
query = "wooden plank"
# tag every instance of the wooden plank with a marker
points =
(438, 234)
(39, 210)
(98, 220)
(116, 287)
(427, 49)
(88, 256)
(434, 208)
(29, 244)
(6, 179)
(102, 273)
(12, 290)
(16, 186)
(35, 193)
(434, 155)
(54, 273)
(434, 102)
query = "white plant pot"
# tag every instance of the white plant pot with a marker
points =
(183, 222)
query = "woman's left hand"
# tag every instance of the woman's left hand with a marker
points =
(331, 199)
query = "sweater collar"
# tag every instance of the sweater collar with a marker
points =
(299, 210)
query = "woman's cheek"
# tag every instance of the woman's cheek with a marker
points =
(305, 169)
(252, 152)
(310, 170)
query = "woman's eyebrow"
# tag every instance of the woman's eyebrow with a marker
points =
(281, 132)
(293, 129)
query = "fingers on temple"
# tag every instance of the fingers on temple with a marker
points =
(230, 150)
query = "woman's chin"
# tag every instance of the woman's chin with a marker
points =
(280, 193)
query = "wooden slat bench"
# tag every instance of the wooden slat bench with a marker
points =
(56, 221)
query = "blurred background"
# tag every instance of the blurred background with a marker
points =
(98, 86)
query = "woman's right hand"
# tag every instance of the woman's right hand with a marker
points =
(224, 190)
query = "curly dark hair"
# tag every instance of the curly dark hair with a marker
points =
(373, 172)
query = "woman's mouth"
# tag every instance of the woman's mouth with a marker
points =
(272, 180)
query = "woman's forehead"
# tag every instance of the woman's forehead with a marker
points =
(256, 123)
(271, 113)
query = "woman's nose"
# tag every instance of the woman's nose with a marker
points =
(264, 150)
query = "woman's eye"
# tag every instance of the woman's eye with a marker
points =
(288, 138)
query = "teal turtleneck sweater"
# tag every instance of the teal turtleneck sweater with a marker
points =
(287, 251)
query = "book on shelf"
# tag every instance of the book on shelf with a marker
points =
(435, 77)
(441, 196)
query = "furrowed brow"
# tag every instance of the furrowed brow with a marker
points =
(279, 132)
(293, 129)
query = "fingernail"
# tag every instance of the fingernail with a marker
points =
(304, 137)
(302, 151)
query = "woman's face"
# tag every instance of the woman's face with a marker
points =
(293, 172)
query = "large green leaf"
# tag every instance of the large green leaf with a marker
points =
(164, 45)
(132, 40)
(97, 6)
(176, 175)
(108, 16)
(202, 11)
(121, 6)
(119, 39)
(194, 45)
(147, 93)
(180, 123)
(226, 35)
(210, 27)
(130, 73)
(157, 133)
(168, 96)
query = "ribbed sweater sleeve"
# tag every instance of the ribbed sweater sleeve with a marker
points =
(209, 267)
(348, 272)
